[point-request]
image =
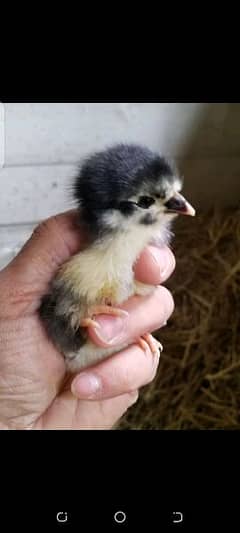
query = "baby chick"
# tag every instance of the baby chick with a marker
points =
(127, 197)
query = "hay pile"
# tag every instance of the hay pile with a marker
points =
(198, 381)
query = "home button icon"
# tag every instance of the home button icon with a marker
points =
(120, 517)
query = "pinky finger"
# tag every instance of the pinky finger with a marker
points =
(104, 414)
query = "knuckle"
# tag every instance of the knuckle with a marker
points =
(45, 226)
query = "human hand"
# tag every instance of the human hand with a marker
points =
(34, 393)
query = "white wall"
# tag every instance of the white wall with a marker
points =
(62, 133)
(58, 133)
(2, 140)
(45, 141)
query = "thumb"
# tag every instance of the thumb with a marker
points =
(50, 245)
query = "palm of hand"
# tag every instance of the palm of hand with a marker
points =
(34, 391)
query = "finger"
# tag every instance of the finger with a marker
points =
(125, 372)
(50, 245)
(104, 414)
(155, 265)
(66, 412)
(145, 314)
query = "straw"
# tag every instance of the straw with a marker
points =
(198, 381)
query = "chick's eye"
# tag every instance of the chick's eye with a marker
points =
(145, 201)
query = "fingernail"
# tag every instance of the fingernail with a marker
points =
(161, 258)
(86, 385)
(111, 329)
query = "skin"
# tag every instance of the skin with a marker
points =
(35, 392)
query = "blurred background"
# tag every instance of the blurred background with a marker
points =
(198, 381)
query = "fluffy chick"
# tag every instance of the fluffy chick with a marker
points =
(127, 197)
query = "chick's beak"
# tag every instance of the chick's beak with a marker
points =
(178, 204)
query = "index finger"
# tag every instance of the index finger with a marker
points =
(155, 265)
